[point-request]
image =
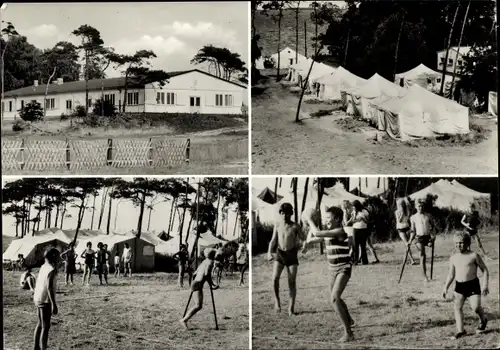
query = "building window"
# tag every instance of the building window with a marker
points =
(160, 98)
(50, 103)
(22, 104)
(228, 100)
(429, 81)
(110, 97)
(69, 104)
(10, 106)
(170, 98)
(218, 100)
(401, 82)
(291, 61)
(438, 80)
(441, 59)
(132, 98)
(450, 62)
(194, 101)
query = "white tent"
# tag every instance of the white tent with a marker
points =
(358, 97)
(332, 84)
(420, 113)
(288, 57)
(421, 75)
(492, 104)
(318, 70)
(33, 247)
(455, 195)
(294, 75)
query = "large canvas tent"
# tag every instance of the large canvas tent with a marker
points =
(420, 113)
(33, 247)
(332, 84)
(420, 75)
(457, 196)
(358, 97)
(143, 252)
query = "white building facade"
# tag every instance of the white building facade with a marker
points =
(192, 91)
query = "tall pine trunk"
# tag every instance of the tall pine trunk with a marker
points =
(170, 216)
(149, 218)
(81, 213)
(297, 32)
(397, 46)
(347, 47)
(103, 206)
(448, 45)
(318, 208)
(63, 214)
(217, 212)
(279, 44)
(295, 200)
(183, 214)
(304, 198)
(141, 215)
(108, 224)
(93, 213)
(459, 43)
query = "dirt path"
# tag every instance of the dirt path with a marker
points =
(316, 146)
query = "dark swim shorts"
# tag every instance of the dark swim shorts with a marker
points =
(468, 288)
(196, 285)
(287, 257)
(424, 240)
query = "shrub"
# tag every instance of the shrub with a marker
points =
(79, 111)
(32, 112)
(106, 108)
(64, 117)
(19, 125)
(264, 235)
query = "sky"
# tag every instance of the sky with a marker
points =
(174, 31)
(124, 216)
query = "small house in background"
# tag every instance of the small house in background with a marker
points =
(190, 91)
(455, 57)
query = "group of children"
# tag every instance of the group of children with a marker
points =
(289, 238)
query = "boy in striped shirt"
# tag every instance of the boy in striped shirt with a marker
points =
(339, 263)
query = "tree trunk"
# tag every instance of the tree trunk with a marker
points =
(305, 38)
(236, 222)
(295, 199)
(297, 32)
(184, 213)
(217, 213)
(194, 250)
(149, 217)
(125, 89)
(174, 204)
(103, 206)
(347, 47)
(46, 92)
(279, 44)
(108, 224)
(63, 214)
(86, 83)
(304, 198)
(170, 216)
(306, 82)
(23, 220)
(397, 47)
(192, 216)
(80, 219)
(318, 208)
(459, 43)
(448, 45)
(93, 213)
(141, 216)
(276, 190)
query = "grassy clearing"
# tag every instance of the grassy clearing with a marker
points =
(388, 315)
(137, 313)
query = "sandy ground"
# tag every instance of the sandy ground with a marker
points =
(388, 315)
(318, 146)
(137, 313)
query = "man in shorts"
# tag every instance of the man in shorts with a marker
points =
(283, 249)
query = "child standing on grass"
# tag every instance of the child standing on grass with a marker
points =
(284, 248)
(463, 268)
(69, 257)
(339, 263)
(421, 227)
(117, 264)
(202, 274)
(403, 223)
(127, 260)
(471, 223)
(101, 263)
(182, 257)
(89, 256)
(45, 298)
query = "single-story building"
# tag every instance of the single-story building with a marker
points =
(191, 91)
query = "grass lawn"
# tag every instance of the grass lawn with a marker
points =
(319, 145)
(137, 313)
(388, 315)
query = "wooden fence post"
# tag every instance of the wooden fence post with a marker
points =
(188, 150)
(23, 144)
(110, 152)
(68, 155)
(150, 152)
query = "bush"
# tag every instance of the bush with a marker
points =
(32, 112)
(264, 235)
(108, 106)
(19, 125)
(64, 117)
(79, 111)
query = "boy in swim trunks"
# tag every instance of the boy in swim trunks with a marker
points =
(283, 249)
(421, 227)
(339, 263)
(202, 274)
(463, 268)
(471, 223)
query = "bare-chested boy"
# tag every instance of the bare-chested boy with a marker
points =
(463, 268)
(421, 227)
(339, 262)
(283, 249)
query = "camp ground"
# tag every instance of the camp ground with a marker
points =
(410, 314)
(363, 104)
(141, 310)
